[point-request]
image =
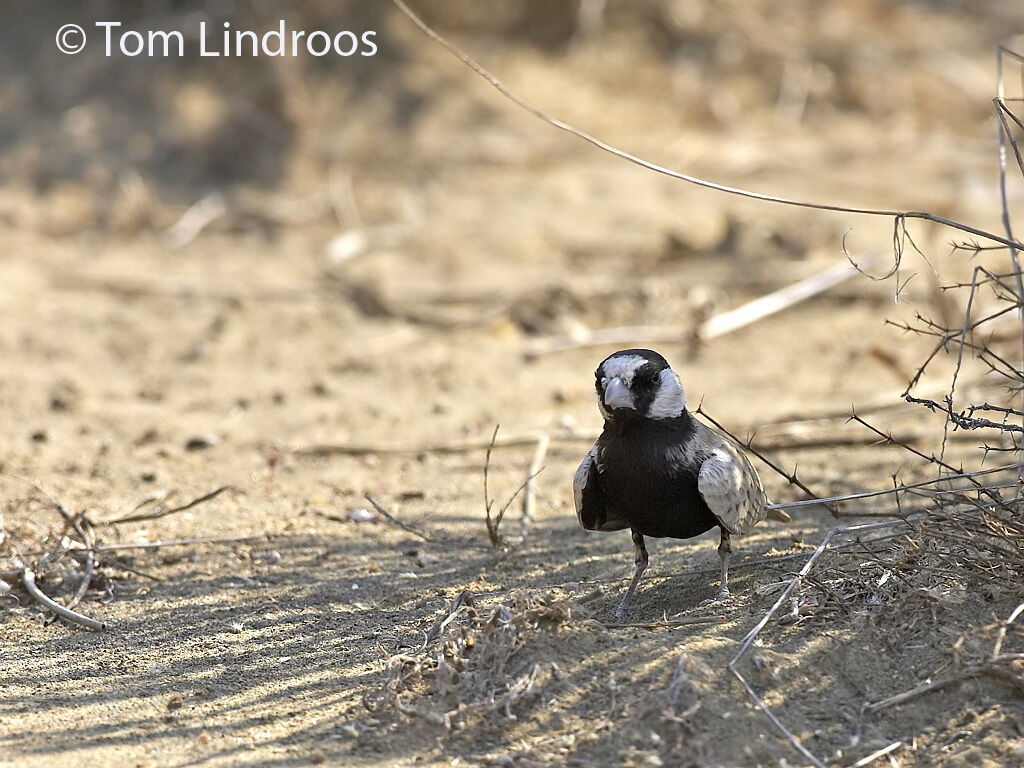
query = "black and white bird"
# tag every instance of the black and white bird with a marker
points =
(660, 472)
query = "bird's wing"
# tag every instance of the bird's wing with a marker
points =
(732, 489)
(590, 503)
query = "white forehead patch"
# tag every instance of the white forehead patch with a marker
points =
(670, 400)
(624, 367)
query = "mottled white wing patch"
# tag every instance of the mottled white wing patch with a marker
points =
(579, 482)
(591, 509)
(732, 489)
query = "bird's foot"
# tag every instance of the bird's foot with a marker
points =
(722, 596)
(622, 611)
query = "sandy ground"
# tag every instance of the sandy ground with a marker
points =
(133, 367)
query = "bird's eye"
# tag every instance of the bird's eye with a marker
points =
(644, 378)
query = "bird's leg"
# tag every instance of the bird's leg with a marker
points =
(724, 550)
(640, 558)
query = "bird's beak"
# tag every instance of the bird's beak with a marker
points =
(617, 394)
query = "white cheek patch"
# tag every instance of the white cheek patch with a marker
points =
(670, 400)
(624, 367)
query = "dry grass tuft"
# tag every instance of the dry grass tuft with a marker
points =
(470, 665)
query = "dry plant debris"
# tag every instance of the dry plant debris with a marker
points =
(469, 665)
(42, 543)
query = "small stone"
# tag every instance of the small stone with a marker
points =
(64, 396)
(147, 437)
(270, 557)
(363, 516)
(201, 442)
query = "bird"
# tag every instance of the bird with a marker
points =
(660, 472)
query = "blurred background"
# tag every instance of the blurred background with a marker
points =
(211, 266)
(296, 249)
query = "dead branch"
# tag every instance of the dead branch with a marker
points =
(177, 543)
(530, 491)
(161, 512)
(898, 489)
(468, 446)
(675, 688)
(86, 533)
(492, 525)
(777, 301)
(719, 325)
(493, 522)
(937, 461)
(926, 687)
(409, 528)
(997, 647)
(195, 219)
(28, 578)
(395, 521)
(668, 623)
(868, 759)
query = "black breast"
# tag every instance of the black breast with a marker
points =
(648, 471)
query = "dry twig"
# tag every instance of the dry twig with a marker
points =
(395, 521)
(751, 636)
(28, 577)
(668, 623)
(493, 521)
(178, 543)
(466, 446)
(162, 512)
(719, 325)
(530, 492)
